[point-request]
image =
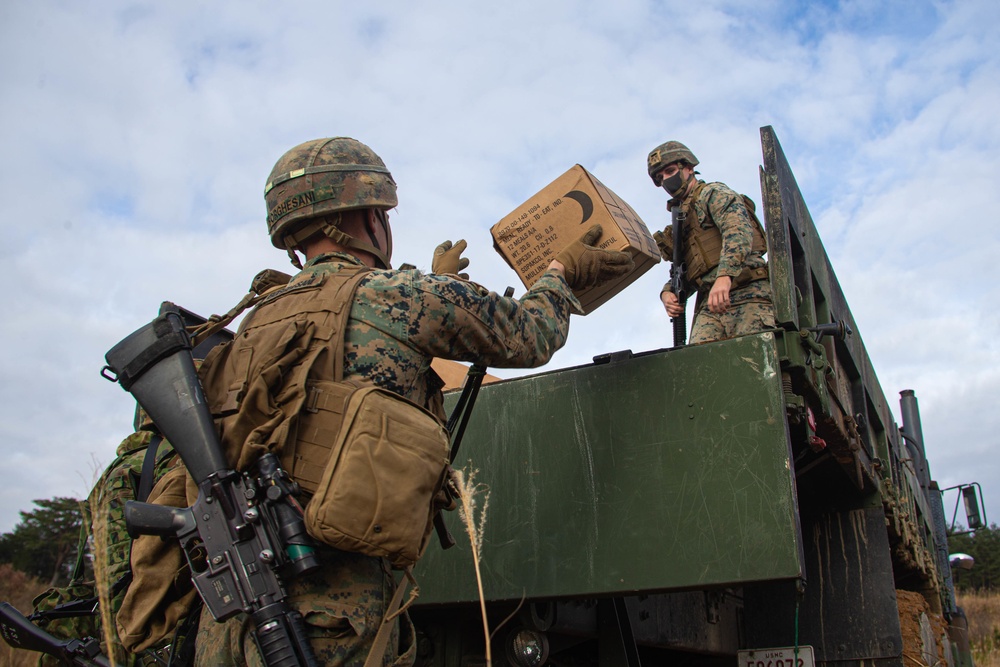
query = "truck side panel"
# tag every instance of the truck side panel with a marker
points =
(847, 611)
(665, 471)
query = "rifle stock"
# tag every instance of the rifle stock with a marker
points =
(244, 533)
(154, 364)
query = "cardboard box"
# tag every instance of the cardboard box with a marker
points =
(453, 373)
(534, 233)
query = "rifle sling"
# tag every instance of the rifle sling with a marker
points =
(148, 466)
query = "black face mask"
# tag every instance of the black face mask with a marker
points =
(674, 184)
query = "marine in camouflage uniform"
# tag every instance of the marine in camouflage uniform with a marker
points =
(324, 197)
(724, 248)
(163, 610)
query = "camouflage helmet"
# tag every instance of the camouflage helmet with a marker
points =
(668, 153)
(324, 176)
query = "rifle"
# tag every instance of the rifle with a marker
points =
(21, 633)
(244, 535)
(677, 269)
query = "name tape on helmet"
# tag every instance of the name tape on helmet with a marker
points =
(301, 199)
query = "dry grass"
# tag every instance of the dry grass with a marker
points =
(19, 589)
(982, 608)
(473, 497)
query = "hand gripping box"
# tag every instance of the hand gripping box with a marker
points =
(533, 234)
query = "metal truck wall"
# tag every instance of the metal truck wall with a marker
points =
(847, 609)
(867, 521)
(844, 392)
(664, 471)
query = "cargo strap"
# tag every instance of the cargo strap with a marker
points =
(381, 642)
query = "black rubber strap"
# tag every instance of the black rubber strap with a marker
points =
(148, 466)
(168, 340)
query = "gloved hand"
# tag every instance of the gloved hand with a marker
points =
(448, 259)
(587, 266)
(665, 242)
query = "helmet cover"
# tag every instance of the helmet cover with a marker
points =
(324, 176)
(665, 154)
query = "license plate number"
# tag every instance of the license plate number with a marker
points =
(777, 657)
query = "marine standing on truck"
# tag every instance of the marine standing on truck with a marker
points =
(328, 200)
(723, 246)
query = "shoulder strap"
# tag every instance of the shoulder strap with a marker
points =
(376, 655)
(81, 551)
(343, 315)
(148, 467)
(688, 208)
(693, 197)
(760, 238)
(264, 283)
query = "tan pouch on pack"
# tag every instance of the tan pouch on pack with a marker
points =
(161, 592)
(376, 494)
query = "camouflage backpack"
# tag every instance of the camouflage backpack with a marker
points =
(87, 608)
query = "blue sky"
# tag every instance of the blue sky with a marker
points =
(137, 139)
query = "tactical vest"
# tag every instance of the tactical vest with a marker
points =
(703, 243)
(372, 463)
(261, 384)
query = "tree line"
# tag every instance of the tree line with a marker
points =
(44, 545)
(984, 546)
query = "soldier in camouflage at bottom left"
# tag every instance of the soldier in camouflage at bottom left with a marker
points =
(328, 199)
(104, 522)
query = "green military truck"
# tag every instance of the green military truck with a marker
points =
(749, 501)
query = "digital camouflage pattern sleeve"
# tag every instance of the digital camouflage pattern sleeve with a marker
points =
(719, 203)
(402, 319)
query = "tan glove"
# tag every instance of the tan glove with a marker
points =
(665, 242)
(448, 259)
(587, 266)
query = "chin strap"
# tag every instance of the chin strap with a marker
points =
(329, 227)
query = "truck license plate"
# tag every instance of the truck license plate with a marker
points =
(777, 657)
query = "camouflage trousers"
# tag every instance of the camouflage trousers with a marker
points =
(741, 319)
(342, 604)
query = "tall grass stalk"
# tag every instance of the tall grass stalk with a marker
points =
(473, 496)
(982, 608)
(100, 534)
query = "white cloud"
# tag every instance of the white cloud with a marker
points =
(138, 141)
